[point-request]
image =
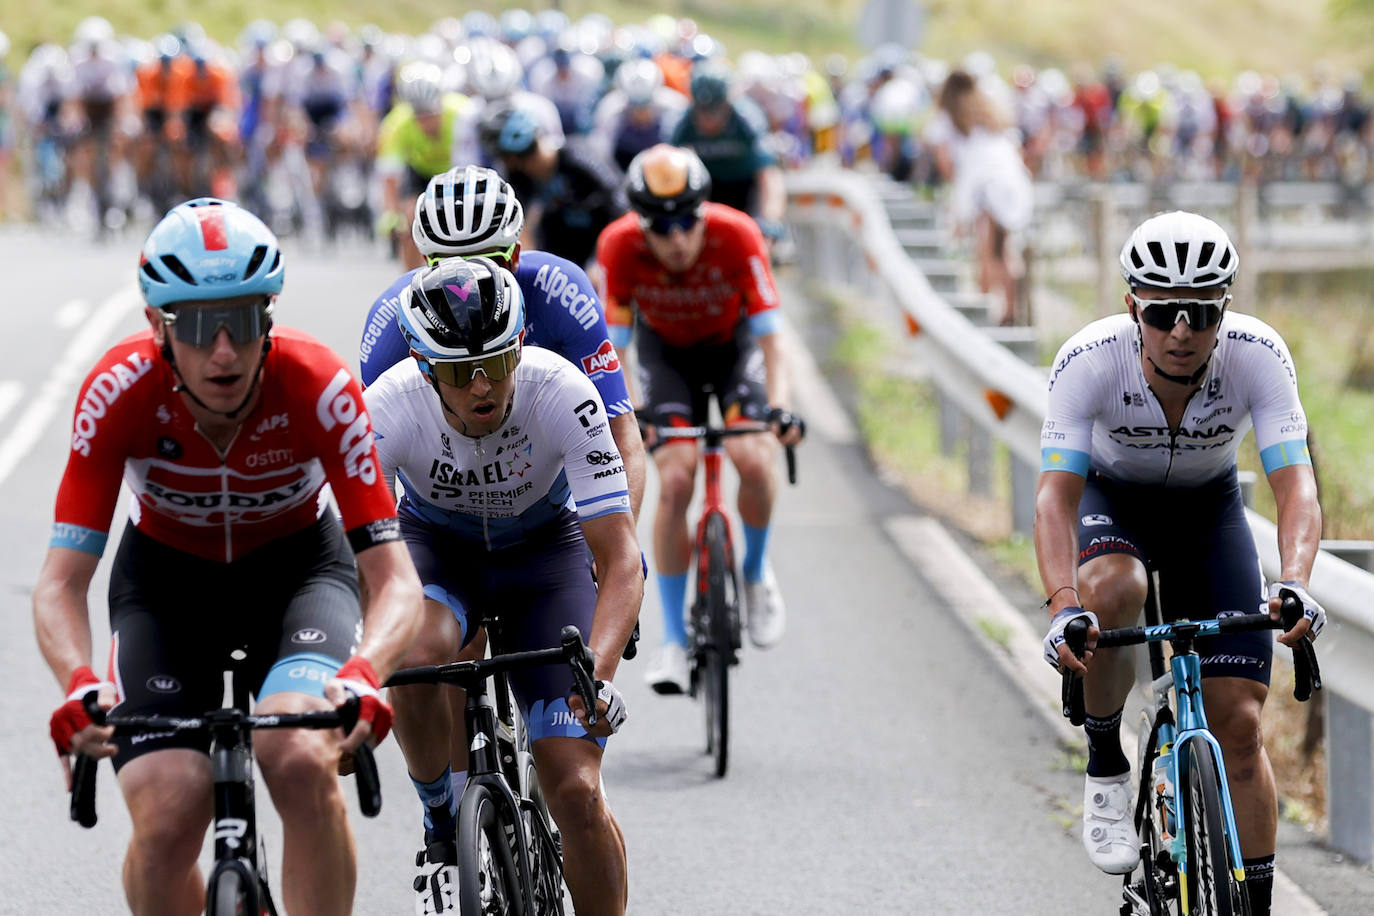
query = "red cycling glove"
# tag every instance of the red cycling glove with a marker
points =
(359, 679)
(71, 716)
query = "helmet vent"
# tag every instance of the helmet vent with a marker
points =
(1225, 261)
(1181, 252)
(1205, 252)
(1157, 253)
(254, 262)
(152, 274)
(1136, 259)
(1158, 278)
(276, 262)
(1204, 278)
(173, 263)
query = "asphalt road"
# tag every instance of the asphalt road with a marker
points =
(880, 762)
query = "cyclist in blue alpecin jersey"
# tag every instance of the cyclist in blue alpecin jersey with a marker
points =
(473, 211)
(513, 486)
(1138, 494)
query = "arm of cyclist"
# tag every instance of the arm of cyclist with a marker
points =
(1056, 552)
(61, 619)
(788, 426)
(625, 432)
(620, 590)
(1300, 525)
(391, 618)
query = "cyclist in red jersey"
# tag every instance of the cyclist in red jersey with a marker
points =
(226, 430)
(691, 280)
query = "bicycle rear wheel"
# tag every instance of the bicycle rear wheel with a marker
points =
(488, 875)
(714, 642)
(1210, 886)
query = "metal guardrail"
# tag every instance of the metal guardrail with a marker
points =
(845, 239)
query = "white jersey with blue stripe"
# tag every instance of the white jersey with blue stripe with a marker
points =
(562, 313)
(554, 454)
(1103, 415)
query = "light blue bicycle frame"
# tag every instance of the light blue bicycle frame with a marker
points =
(1185, 680)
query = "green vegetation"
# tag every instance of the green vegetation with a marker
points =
(1215, 37)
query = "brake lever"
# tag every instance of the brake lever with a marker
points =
(579, 657)
(1071, 691)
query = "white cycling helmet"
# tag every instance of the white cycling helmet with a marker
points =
(639, 79)
(494, 71)
(93, 30)
(1179, 249)
(421, 86)
(467, 211)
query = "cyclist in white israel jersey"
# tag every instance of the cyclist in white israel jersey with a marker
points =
(513, 486)
(1139, 495)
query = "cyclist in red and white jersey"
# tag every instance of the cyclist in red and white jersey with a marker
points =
(226, 431)
(690, 279)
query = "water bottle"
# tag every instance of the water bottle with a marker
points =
(1164, 790)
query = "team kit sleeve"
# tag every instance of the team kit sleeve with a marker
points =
(383, 345)
(1067, 434)
(344, 443)
(101, 426)
(760, 290)
(1275, 407)
(584, 339)
(591, 460)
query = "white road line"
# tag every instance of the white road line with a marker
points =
(824, 413)
(10, 392)
(1004, 630)
(68, 370)
(70, 314)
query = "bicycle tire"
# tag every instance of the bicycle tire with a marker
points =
(229, 895)
(718, 648)
(488, 875)
(1212, 887)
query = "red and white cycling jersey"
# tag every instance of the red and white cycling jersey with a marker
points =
(308, 428)
(730, 281)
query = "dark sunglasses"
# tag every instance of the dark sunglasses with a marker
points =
(459, 372)
(198, 323)
(664, 225)
(1163, 314)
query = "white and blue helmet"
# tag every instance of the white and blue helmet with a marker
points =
(209, 249)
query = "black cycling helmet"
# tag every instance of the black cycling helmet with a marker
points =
(462, 308)
(666, 181)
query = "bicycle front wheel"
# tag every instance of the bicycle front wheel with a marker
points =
(546, 858)
(488, 875)
(1208, 884)
(714, 641)
(230, 895)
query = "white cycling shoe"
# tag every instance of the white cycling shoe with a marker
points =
(1108, 834)
(436, 879)
(767, 616)
(668, 672)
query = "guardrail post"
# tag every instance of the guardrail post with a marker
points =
(1247, 222)
(1247, 487)
(1103, 209)
(1024, 478)
(1350, 777)
(979, 461)
(951, 423)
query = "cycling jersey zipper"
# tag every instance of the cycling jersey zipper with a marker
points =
(224, 488)
(486, 531)
(1173, 433)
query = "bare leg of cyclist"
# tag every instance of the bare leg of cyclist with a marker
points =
(754, 457)
(319, 864)
(593, 846)
(168, 794)
(1113, 587)
(677, 468)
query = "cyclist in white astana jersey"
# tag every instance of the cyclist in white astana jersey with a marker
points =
(1139, 495)
(1103, 412)
(513, 486)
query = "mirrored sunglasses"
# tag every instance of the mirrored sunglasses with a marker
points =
(459, 372)
(664, 225)
(1165, 313)
(198, 324)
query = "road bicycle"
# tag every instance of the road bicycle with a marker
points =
(1190, 859)
(238, 881)
(713, 622)
(510, 859)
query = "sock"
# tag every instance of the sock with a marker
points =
(672, 593)
(440, 803)
(1105, 757)
(1259, 884)
(459, 781)
(755, 551)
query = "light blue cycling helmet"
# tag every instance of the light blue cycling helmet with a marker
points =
(209, 249)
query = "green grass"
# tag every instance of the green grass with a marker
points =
(1214, 37)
